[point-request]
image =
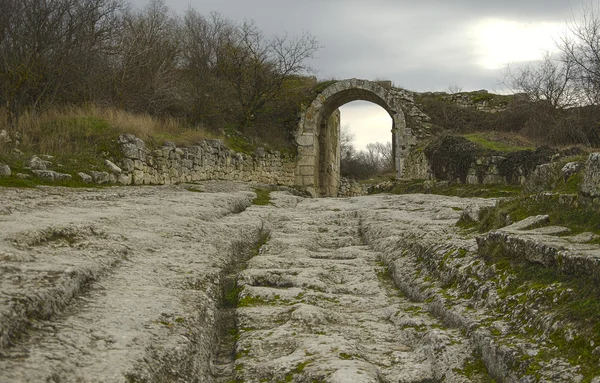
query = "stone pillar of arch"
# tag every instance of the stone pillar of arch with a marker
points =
(318, 156)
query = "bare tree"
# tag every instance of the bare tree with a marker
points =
(383, 154)
(257, 67)
(346, 141)
(582, 50)
(202, 45)
(550, 80)
(148, 53)
(47, 49)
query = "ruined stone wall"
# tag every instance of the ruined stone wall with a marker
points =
(416, 166)
(208, 160)
(590, 188)
(352, 188)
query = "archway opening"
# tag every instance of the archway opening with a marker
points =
(365, 141)
(317, 168)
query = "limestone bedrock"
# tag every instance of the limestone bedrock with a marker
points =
(129, 284)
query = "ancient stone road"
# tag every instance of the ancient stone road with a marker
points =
(137, 285)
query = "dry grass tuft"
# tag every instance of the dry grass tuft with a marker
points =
(57, 129)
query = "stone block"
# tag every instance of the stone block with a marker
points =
(5, 170)
(591, 180)
(37, 163)
(307, 170)
(571, 168)
(85, 177)
(472, 179)
(138, 177)
(493, 179)
(308, 181)
(100, 177)
(130, 151)
(127, 165)
(544, 177)
(113, 168)
(51, 175)
(306, 140)
(125, 179)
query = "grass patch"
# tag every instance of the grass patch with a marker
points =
(263, 197)
(456, 189)
(250, 301)
(475, 369)
(239, 143)
(498, 146)
(578, 308)
(16, 182)
(345, 356)
(562, 211)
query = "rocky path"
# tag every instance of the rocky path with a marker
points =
(318, 305)
(196, 284)
(114, 285)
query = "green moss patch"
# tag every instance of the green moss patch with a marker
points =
(455, 189)
(563, 210)
(263, 197)
(573, 300)
(498, 146)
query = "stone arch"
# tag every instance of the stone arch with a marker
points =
(318, 169)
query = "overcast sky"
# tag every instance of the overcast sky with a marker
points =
(424, 45)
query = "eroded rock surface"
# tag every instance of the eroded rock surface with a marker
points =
(136, 285)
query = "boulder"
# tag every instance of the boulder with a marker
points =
(36, 163)
(113, 168)
(5, 137)
(571, 168)
(544, 177)
(591, 180)
(51, 175)
(85, 177)
(100, 177)
(4, 170)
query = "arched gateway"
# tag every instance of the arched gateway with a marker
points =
(318, 135)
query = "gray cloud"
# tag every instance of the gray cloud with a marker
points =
(422, 46)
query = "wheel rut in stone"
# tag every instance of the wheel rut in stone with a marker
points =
(316, 305)
(148, 317)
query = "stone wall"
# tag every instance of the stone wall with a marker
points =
(329, 149)
(590, 188)
(208, 160)
(417, 166)
(352, 188)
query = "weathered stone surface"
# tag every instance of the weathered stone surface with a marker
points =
(571, 168)
(151, 285)
(4, 170)
(318, 298)
(351, 188)
(529, 222)
(85, 177)
(5, 137)
(544, 177)
(37, 163)
(542, 246)
(51, 175)
(113, 168)
(591, 180)
(100, 177)
(209, 159)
